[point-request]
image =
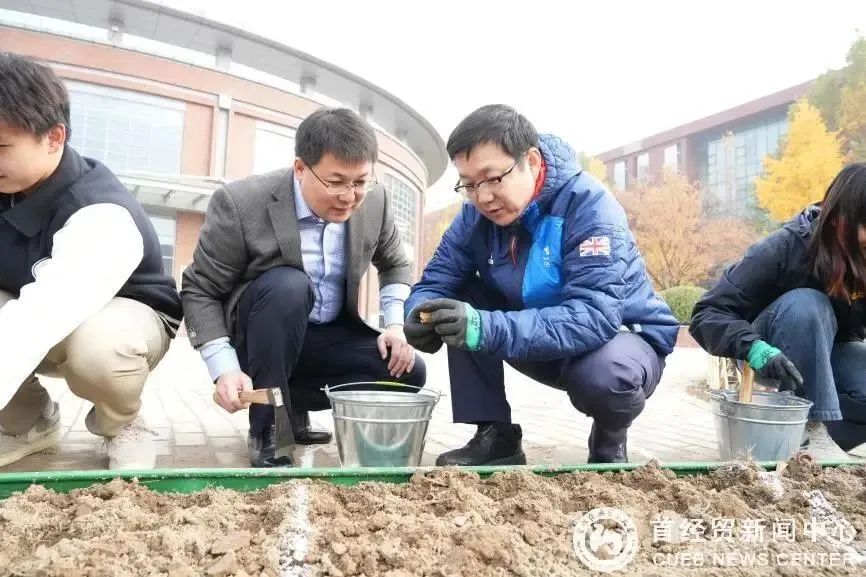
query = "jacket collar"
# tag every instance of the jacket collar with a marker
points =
(560, 166)
(28, 215)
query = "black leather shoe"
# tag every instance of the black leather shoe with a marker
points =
(493, 444)
(262, 449)
(607, 445)
(304, 435)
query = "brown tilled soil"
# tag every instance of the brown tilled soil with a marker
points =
(444, 523)
(126, 529)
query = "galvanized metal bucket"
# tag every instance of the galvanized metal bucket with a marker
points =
(770, 428)
(381, 424)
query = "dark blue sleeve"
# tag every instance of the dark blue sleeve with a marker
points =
(451, 265)
(722, 319)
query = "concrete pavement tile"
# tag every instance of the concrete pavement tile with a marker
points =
(189, 439)
(232, 460)
(187, 428)
(79, 437)
(228, 442)
(163, 447)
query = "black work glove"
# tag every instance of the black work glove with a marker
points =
(421, 336)
(456, 322)
(783, 371)
(771, 363)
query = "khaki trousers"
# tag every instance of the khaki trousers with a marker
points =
(106, 361)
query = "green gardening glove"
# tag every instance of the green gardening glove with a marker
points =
(456, 322)
(770, 363)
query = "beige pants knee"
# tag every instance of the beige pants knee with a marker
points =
(106, 361)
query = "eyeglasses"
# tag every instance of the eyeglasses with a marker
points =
(492, 185)
(338, 188)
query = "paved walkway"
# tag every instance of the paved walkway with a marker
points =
(192, 431)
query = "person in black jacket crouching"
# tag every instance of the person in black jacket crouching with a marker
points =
(794, 308)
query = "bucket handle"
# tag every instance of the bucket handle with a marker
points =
(437, 394)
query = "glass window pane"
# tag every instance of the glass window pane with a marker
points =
(166, 232)
(642, 166)
(672, 157)
(127, 131)
(619, 175)
(273, 149)
(404, 206)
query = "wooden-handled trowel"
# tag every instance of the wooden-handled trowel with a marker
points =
(284, 443)
(745, 395)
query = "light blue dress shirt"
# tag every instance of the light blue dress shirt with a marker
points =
(323, 250)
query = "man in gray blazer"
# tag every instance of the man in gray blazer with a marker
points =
(271, 298)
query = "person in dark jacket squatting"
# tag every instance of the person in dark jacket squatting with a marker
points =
(271, 298)
(539, 270)
(83, 293)
(794, 308)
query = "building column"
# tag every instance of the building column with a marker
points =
(365, 111)
(115, 30)
(223, 57)
(308, 84)
(223, 111)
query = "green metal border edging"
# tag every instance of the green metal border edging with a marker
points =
(192, 480)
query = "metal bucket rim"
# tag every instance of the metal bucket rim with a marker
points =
(428, 397)
(761, 421)
(383, 421)
(799, 402)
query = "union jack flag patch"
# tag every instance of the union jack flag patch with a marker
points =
(595, 246)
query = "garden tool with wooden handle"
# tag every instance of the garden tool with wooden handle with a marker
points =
(284, 443)
(745, 395)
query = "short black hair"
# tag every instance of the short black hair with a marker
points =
(32, 97)
(496, 123)
(339, 131)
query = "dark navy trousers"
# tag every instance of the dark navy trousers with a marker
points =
(278, 347)
(610, 384)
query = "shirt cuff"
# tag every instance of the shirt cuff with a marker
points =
(220, 357)
(391, 300)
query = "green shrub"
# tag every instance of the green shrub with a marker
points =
(682, 300)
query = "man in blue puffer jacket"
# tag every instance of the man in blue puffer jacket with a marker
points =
(539, 270)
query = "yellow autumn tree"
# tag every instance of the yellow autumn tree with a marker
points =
(810, 158)
(435, 225)
(594, 166)
(840, 95)
(679, 244)
(852, 120)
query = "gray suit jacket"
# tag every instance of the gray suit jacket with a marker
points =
(251, 226)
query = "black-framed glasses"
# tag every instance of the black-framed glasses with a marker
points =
(338, 188)
(490, 184)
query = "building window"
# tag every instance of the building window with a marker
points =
(404, 204)
(734, 160)
(166, 232)
(274, 147)
(619, 175)
(128, 131)
(642, 167)
(672, 157)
